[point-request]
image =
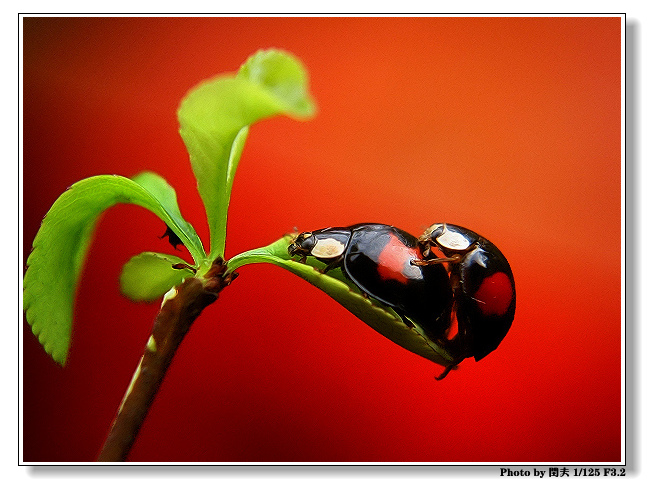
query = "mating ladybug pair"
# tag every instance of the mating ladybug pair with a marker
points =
(453, 283)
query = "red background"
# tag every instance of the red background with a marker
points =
(509, 126)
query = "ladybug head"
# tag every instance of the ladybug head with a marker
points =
(325, 245)
(450, 239)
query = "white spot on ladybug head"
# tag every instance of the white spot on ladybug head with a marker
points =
(327, 248)
(452, 240)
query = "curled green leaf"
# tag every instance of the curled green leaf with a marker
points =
(149, 275)
(284, 79)
(375, 314)
(60, 247)
(214, 119)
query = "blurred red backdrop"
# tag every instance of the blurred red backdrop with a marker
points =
(509, 126)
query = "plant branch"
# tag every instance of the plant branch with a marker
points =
(180, 307)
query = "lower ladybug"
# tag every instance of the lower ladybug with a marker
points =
(378, 259)
(482, 284)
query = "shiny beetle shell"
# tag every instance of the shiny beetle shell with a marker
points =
(482, 282)
(455, 285)
(377, 259)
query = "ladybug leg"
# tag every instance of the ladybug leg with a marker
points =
(445, 372)
(293, 253)
(405, 319)
(332, 265)
(438, 260)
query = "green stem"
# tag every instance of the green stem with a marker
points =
(275, 253)
(180, 307)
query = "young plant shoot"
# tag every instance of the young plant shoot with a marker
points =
(376, 271)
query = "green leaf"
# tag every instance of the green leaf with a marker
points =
(149, 275)
(378, 316)
(166, 197)
(60, 247)
(214, 119)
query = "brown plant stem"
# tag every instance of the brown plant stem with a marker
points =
(180, 307)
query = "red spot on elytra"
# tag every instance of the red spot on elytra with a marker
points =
(453, 328)
(495, 294)
(394, 258)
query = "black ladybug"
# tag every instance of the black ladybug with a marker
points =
(378, 260)
(482, 282)
(456, 285)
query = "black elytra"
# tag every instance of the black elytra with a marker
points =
(482, 282)
(454, 283)
(377, 259)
